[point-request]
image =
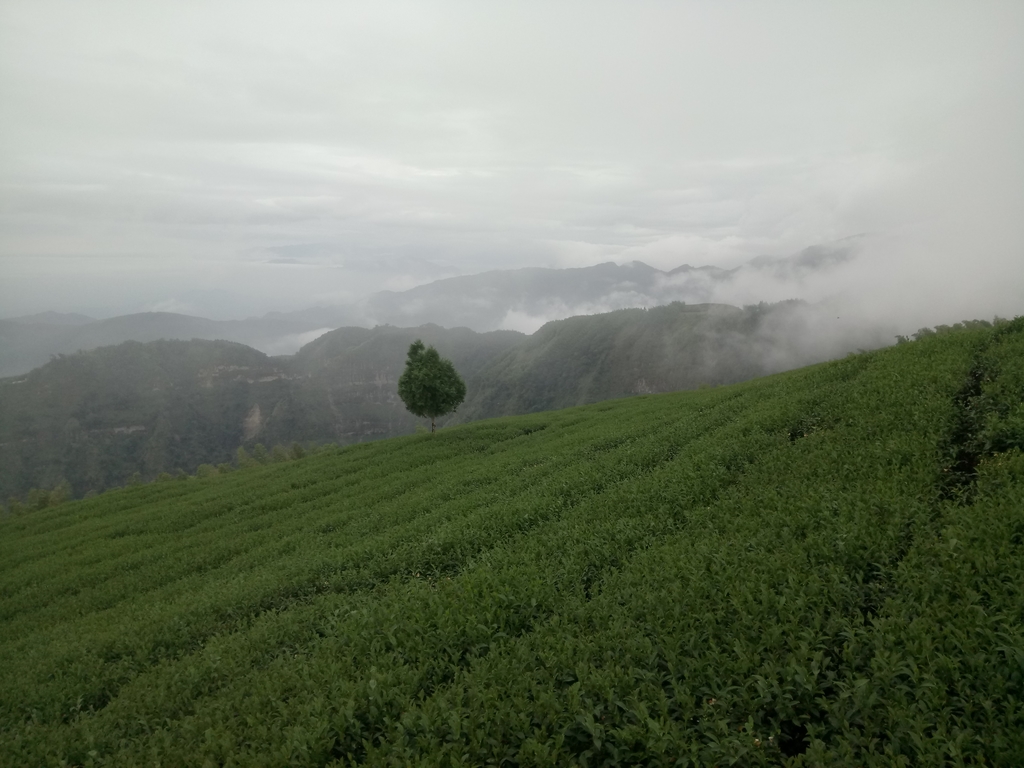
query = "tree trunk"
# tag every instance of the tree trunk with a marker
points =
(431, 425)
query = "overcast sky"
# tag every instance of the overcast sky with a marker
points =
(227, 159)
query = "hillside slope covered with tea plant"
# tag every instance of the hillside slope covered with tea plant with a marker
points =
(822, 567)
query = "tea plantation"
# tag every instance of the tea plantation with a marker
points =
(824, 567)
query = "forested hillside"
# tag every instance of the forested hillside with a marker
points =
(89, 421)
(587, 359)
(93, 420)
(821, 567)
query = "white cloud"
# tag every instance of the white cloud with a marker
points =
(172, 305)
(412, 141)
(290, 344)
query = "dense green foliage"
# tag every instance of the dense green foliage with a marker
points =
(95, 419)
(592, 358)
(823, 567)
(430, 386)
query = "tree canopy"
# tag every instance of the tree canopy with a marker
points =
(430, 386)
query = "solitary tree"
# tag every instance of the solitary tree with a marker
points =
(429, 386)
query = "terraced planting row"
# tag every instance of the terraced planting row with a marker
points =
(821, 567)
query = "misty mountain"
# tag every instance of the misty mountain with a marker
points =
(524, 299)
(530, 297)
(520, 299)
(28, 342)
(504, 298)
(95, 418)
(583, 360)
(53, 318)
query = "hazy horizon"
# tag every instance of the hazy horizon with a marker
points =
(225, 160)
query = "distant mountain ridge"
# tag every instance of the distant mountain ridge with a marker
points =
(524, 299)
(26, 345)
(53, 318)
(519, 299)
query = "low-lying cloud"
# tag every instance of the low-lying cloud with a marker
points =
(290, 344)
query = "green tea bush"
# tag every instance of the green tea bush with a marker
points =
(817, 568)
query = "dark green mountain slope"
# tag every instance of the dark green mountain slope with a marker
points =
(822, 567)
(95, 419)
(638, 351)
(348, 384)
